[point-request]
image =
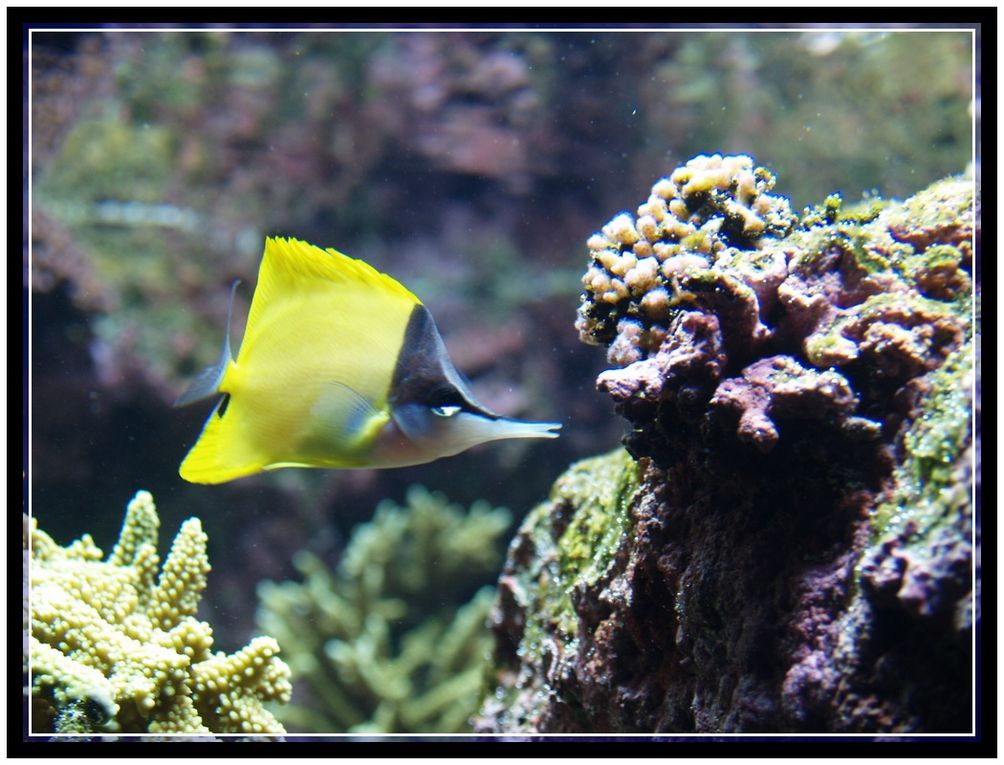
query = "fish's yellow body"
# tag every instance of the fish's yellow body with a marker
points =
(340, 366)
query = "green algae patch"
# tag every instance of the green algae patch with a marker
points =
(109, 158)
(600, 489)
(929, 486)
(943, 205)
(867, 256)
(862, 212)
(577, 534)
(835, 210)
(566, 546)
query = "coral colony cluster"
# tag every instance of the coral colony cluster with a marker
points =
(791, 547)
(115, 646)
(642, 268)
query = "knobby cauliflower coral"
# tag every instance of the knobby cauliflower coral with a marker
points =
(643, 266)
(116, 647)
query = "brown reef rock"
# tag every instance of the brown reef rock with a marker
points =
(787, 542)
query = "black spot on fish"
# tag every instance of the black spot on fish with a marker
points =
(222, 408)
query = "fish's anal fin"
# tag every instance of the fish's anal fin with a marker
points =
(220, 454)
(207, 384)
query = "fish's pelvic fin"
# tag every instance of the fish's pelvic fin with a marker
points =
(207, 384)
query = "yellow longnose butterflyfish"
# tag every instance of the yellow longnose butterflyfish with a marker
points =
(341, 366)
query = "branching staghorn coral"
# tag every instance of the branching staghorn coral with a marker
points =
(115, 645)
(381, 644)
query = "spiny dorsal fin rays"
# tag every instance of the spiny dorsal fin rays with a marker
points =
(208, 382)
(293, 265)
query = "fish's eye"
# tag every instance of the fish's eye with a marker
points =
(445, 411)
(445, 398)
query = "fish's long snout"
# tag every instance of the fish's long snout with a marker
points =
(504, 427)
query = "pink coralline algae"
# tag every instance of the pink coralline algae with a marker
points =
(793, 316)
(778, 387)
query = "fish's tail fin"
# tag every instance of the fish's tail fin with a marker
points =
(207, 384)
(222, 453)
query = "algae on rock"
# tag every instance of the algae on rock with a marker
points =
(115, 645)
(563, 551)
(385, 642)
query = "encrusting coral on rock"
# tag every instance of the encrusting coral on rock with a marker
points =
(563, 549)
(795, 548)
(115, 645)
(385, 642)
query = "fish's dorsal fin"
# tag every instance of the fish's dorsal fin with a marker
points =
(208, 381)
(291, 265)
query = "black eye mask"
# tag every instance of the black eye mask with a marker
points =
(424, 374)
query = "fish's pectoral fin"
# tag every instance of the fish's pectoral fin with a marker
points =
(341, 418)
(207, 383)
